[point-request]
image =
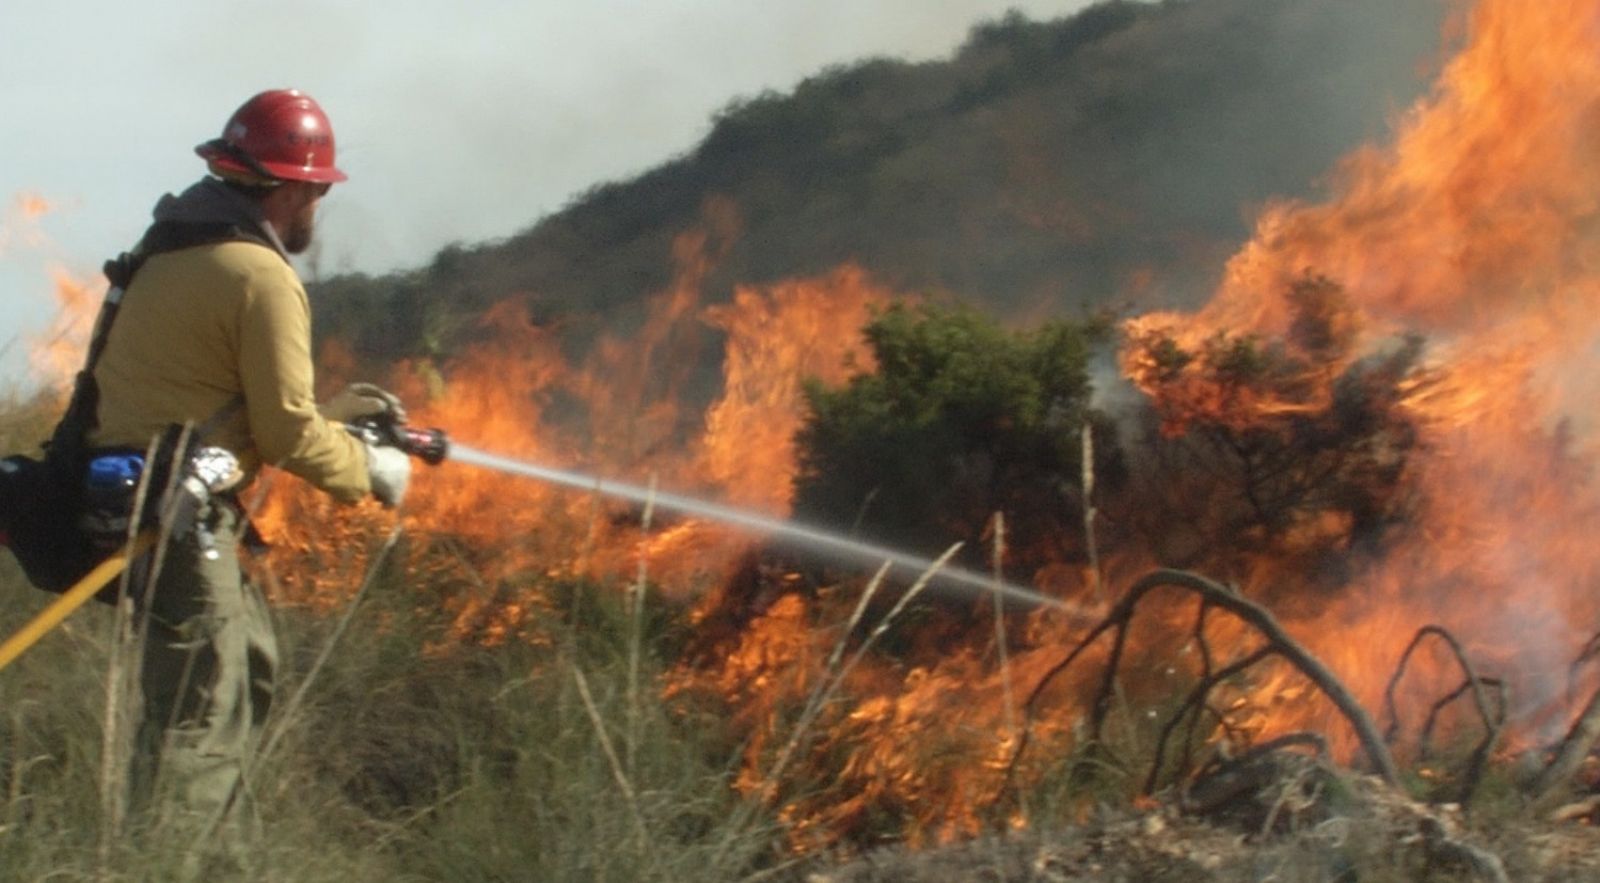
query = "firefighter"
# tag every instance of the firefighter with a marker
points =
(214, 329)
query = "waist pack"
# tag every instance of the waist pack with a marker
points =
(39, 505)
(60, 521)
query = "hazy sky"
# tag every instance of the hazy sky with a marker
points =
(457, 121)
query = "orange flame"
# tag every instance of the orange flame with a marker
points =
(20, 222)
(794, 330)
(616, 416)
(57, 353)
(1477, 229)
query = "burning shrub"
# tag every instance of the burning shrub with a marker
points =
(1293, 446)
(962, 419)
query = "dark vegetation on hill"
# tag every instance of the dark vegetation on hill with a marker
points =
(1111, 157)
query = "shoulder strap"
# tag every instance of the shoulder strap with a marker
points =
(162, 236)
(66, 443)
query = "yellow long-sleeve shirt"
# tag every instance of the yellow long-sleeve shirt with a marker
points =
(201, 326)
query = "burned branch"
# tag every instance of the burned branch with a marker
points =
(1212, 594)
(1191, 707)
(1493, 723)
(1580, 740)
(1591, 649)
(1200, 639)
(1479, 758)
(1450, 852)
(1206, 666)
(1227, 785)
(1425, 735)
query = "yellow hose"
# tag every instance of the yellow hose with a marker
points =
(73, 598)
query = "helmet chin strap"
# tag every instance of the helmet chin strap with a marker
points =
(233, 152)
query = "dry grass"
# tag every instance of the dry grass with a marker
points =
(393, 763)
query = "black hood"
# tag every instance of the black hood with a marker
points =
(209, 203)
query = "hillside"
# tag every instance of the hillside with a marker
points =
(1114, 156)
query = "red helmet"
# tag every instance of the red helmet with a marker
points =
(281, 134)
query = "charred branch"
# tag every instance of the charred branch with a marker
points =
(1580, 740)
(1287, 740)
(1425, 735)
(1264, 782)
(1591, 649)
(1191, 707)
(1233, 735)
(1211, 594)
(1493, 722)
(1478, 761)
(1207, 664)
(1200, 639)
(1450, 853)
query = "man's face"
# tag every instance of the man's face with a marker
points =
(303, 223)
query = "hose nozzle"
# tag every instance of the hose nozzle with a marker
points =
(430, 446)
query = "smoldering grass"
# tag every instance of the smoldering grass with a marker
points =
(835, 672)
(824, 688)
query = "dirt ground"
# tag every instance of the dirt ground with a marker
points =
(1343, 830)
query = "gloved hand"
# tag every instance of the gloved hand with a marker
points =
(388, 471)
(362, 400)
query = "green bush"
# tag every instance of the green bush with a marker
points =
(960, 420)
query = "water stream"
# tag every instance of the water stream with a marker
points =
(947, 579)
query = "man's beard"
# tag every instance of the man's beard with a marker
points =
(297, 238)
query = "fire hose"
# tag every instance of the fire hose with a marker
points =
(73, 598)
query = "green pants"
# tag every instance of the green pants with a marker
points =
(207, 678)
